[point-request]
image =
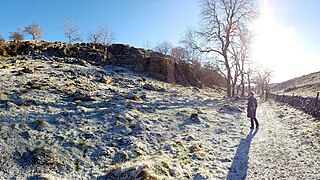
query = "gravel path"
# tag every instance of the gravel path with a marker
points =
(285, 147)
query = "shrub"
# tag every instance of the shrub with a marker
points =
(2, 47)
(17, 37)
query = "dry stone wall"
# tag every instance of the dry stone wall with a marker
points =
(309, 105)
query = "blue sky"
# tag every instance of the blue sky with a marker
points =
(289, 34)
(133, 21)
(288, 40)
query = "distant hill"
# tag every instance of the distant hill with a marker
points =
(306, 85)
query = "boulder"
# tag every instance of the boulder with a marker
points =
(150, 87)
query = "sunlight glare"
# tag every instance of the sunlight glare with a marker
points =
(275, 47)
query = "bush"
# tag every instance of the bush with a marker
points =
(17, 37)
(2, 46)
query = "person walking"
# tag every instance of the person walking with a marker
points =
(252, 109)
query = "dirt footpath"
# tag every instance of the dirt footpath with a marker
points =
(287, 145)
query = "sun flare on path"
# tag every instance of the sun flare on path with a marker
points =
(276, 47)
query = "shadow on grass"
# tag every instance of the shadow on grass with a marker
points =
(239, 167)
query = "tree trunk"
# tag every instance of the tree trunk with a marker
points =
(228, 83)
(249, 84)
(238, 88)
(242, 78)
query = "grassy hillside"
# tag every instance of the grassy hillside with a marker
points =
(306, 85)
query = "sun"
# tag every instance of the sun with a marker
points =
(275, 45)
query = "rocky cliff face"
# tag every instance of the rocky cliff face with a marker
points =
(157, 65)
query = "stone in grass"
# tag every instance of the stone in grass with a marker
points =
(195, 117)
(150, 87)
(88, 135)
(144, 97)
(121, 156)
(105, 80)
(42, 177)
(29, 102)
(41, 125)
(42, 156)
(34, 85)
(199, 176)
(131, 172)
(26, 134)
(24, 126)
(5, 66)
(28, 70)
(230, 108)
(133, 96)
(79, 96)
(142, 79)
(84, 63)
(11, 105)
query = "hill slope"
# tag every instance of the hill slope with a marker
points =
(307, 85)
(70, 120)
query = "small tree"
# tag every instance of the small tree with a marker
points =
(94, 37)
(71, 32)
(2, 46)
(17, 37)
(263, 78)
(189, 41)
(103, 35)
(34, 30)
(164, 47)
(107, 36)
(179, 53)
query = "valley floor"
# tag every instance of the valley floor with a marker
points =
(287, 146)
(77, 121)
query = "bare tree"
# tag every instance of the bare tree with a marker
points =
(235, 58)
(145, 44)
(189, 41)
(34, 30)
(221, 20)
(240, 51)
(71, 32)
(94, 37)
(263, 79)
(179, 53)
(107, 36)
(164, 47)
(17, 37)
(246, 38)
(2, 46)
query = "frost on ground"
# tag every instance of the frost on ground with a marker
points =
(77, 121)
(287, 145)
(71, 121)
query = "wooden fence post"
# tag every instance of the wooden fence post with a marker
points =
(315, 105)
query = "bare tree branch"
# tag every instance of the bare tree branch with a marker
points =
(72, 32)
(34, 30)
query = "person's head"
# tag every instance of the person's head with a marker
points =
(251, 94)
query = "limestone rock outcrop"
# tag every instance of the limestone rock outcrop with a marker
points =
(157, 65)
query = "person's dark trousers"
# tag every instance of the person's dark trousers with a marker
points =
(252, 123)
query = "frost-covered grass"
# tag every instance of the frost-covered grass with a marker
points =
(60, 120)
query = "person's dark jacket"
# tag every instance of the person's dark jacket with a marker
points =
(252, 107)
